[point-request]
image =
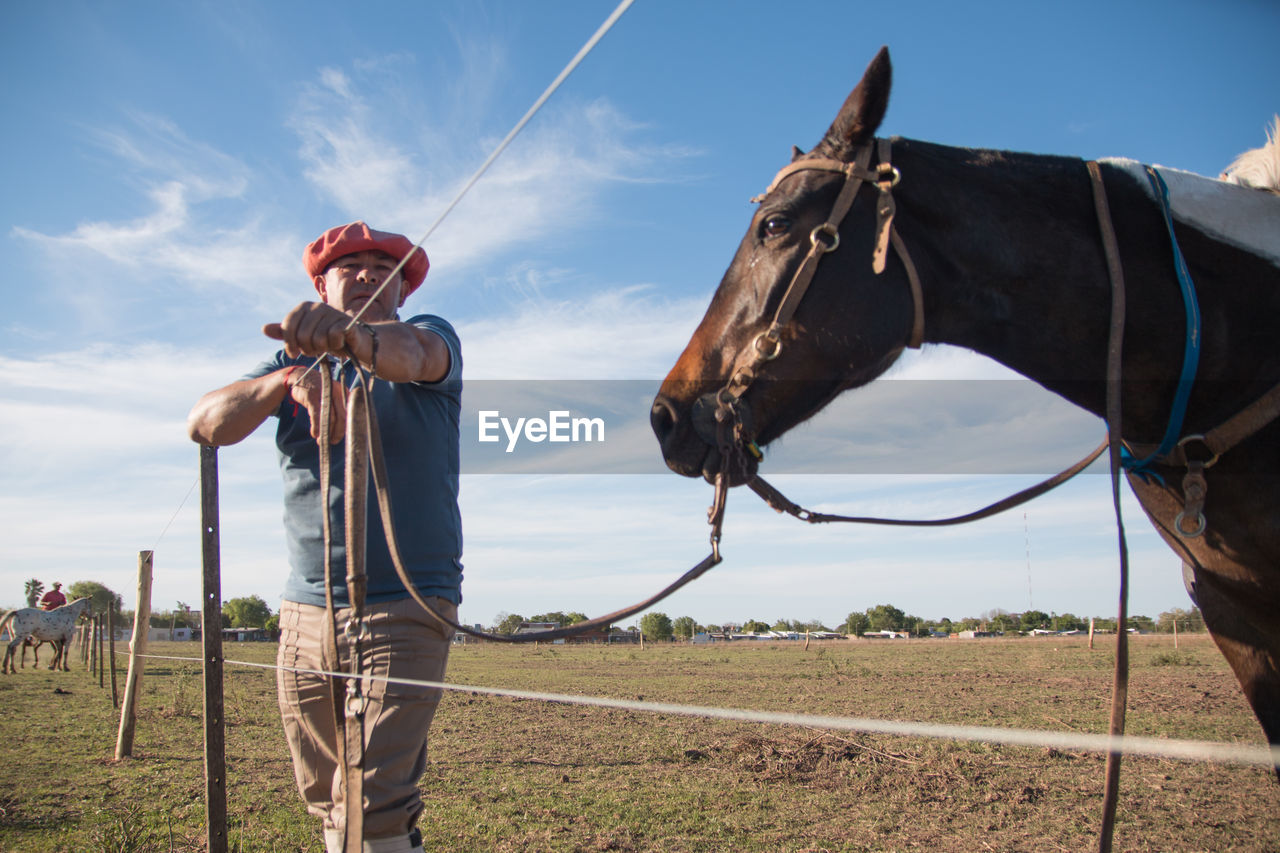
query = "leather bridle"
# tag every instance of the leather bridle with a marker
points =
(825, 238)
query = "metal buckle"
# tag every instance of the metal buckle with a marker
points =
(771, 337)
(356, 702)
(830, 231)
(1200, 523)
(1213, 457)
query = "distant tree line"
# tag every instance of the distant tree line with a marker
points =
(509, 623)
(252, 612)
(885, 617)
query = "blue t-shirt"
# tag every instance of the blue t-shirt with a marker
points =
(419, 425)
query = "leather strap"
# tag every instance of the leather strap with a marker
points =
(885, 177)
(1226, 435)
(1115, 348)
(349, 731)
(781, 503)
(355, 494)
(369, 428)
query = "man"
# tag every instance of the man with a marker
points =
(53, 598)
(417, 397)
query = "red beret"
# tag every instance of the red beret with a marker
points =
(359, 237)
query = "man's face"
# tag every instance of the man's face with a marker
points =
(349, 282)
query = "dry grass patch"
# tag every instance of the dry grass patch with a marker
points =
(511, 774)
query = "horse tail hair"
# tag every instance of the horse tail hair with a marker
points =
(4, 622)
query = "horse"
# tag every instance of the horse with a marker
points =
(28, 643)
(34, 645)
(56, 626)
(1003, 253)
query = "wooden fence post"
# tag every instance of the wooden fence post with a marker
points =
(102, 658)
(133, 684)
(215, 759)
(93, 646)
(111, 648)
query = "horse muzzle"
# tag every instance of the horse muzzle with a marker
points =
(698, 440)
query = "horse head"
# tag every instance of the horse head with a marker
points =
(767, 357)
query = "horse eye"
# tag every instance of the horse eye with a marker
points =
(775, 226)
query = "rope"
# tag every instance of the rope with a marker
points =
(1151, 747)
(502, 146)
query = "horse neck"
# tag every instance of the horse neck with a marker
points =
(1013, 265)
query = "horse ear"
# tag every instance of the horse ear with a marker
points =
(865, 107)
(796, 153)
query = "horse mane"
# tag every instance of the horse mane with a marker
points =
(1260, 167)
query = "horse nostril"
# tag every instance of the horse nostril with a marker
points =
(662, 417)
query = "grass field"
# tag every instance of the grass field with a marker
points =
(520, 775)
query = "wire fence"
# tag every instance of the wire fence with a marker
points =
(1151, 747)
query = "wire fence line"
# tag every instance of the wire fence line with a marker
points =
(1150, 747)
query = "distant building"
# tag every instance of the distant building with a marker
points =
(246, 635)
(595, 635)
(162, 635)
(531, 627)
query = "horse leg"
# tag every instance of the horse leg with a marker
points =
(7, 666)
(1252, 651)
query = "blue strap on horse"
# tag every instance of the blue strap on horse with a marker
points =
(1191, 348)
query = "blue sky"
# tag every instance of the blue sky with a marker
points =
(165, 164)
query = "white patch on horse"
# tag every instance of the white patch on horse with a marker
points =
(1234, 214)
(1260, 167)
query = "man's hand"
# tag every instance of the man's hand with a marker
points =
(314, 328)
(395, 351)
(305, 390)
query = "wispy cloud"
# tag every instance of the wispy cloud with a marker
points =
(626, 332)
(183, 236)
(355, 141)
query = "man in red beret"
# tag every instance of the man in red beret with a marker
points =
(418, 363)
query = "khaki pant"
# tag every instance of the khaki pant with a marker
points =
(404, 642)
